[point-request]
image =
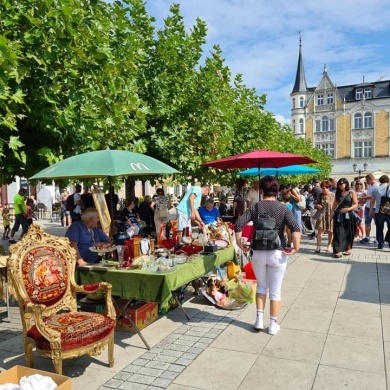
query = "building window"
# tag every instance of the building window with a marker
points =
(329, 98)
(325, 124)
(358, 121)
(368, 120)
(301, 126)
(320, 100)
(301, 102)
(367, 93)
(293, 124)
(327, 148)
(359, 93)
(293, 103)
(363, 149)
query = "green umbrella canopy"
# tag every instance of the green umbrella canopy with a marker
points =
(104, 163)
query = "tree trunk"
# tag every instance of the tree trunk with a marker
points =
(130, 188)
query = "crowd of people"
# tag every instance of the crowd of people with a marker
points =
(333, 207)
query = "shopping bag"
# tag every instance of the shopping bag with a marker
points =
(242, 289)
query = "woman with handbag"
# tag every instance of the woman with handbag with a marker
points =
(344, 222)
(269, 265)
(323, 215)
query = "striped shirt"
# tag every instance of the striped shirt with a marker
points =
(283, 216)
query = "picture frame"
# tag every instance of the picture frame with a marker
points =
(101, 207)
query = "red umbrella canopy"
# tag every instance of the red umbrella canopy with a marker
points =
(259, 159)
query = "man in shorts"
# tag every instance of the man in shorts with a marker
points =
(188, 207)
(372, 183)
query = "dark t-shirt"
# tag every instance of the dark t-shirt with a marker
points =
(87, 200)
(126, 213)
(145, 212)
(115, 200)
(316, 192)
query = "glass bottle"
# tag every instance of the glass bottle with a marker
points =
(168, 228)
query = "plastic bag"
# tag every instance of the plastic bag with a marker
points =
(243, 290)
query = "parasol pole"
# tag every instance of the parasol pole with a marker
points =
(111, 204)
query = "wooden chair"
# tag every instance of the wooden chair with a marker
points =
(42, 269)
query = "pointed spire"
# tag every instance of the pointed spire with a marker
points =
(300, 79)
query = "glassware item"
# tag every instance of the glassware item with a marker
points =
(168, 229)
(120, 249)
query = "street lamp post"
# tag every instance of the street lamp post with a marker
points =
(354, 166)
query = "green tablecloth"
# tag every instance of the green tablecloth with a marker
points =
(154, 286)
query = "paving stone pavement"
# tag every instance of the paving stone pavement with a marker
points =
(335, 334)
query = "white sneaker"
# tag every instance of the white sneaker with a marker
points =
(258, 325)
(274, 328)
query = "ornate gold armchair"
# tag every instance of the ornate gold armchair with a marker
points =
(42, 268)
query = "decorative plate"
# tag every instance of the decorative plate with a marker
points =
(102, 250)
(220, 243)
(180, 259)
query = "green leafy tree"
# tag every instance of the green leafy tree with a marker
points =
(71, 63)
(80, 75)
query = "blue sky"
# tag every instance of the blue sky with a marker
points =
(260, 40)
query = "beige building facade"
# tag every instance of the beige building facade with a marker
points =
(350, 123)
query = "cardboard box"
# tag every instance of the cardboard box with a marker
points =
(14, 374)
(143, 314)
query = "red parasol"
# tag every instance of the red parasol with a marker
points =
(259, 159)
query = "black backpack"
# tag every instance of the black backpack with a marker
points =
(265, 236)
(384, 207)
(70, 206)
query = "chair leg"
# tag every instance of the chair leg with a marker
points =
(111, 351)
(28, 350)
(57, 363)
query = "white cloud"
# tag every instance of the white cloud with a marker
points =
(260, 40)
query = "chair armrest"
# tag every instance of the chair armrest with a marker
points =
(104, 287)
(36, 311)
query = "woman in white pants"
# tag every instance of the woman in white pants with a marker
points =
(269, 266)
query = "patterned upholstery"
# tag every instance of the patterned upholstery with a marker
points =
(41, 267)
(76, 329)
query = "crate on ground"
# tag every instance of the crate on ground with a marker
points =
(172, 303)
(14, 374)
(142, 313)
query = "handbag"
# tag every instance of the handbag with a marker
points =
(318, 214)
(302, 203)
(384, 207)
(356, 219)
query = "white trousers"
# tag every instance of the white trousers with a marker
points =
(269, 268)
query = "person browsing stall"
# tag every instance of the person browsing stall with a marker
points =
(188, 207)
(130, 217)
(209, 213)
(84, 234)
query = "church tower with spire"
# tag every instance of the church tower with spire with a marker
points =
(299, 97)
(350, 123)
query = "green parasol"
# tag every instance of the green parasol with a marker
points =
(104, 163)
